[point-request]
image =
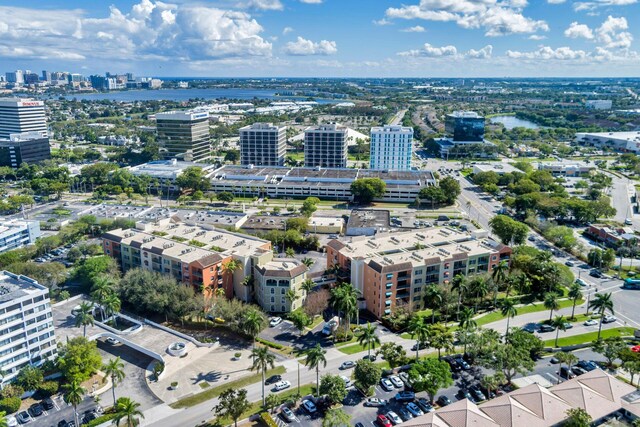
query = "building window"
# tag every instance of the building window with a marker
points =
(389, 285)
(388, 294)
(389, 276)
(418, 272)
(387, 303)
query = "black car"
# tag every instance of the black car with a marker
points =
(48, 404)
(443, 401)
(530, 327)
(578, 370)
(463, 363)
(62, 423)
(547, 328)
(464, 394)
(421, 346)
(273, 379)
(565, 372)
(36, 410)
(455, 366)
(89, 416)
(595, 273)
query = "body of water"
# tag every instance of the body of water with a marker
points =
(511, 122)
(186, 94)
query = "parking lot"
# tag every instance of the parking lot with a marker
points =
(287, 334)
(63, 412)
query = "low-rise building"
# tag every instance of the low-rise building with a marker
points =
(26, 327)
(274, 281)
(598, 104)
(613, 236)
(498, 167)
(166, 171)
(18, 233)
(368, 222)
(325, 225)
(616, 141)
(568, 169)
(28, 147)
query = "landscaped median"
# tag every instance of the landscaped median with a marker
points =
(590, 337)
(214, 392)
(495, 316)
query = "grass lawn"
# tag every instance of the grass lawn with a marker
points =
(195, 399)
(494, 316)
(591, 336)
(316, 321)
(353, 349)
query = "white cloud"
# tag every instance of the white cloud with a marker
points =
(536, 37)
(483, 53)
(150, 30)
(287, 30)
(311, 1)
(591, 5)
(416, 29)
(304, 47)
(611, 34)
(497, 18)
(556, 1)
(549, 53)
(431, 51)
(382, 22)
(576, 30)
(261, 4)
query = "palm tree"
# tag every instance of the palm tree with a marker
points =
(521, 282)
(499, 276)
(262, 361)
(480, 287)
(564, 357)
(467, 322)
(308, 262)
(252, 324)
(111, 305)
(508, 310)
(344, 299)
(114, 369)
(84, 317)
(575, 293)
(316, 356)
(127, 410)
(73, 395)
(291, 296)
(460, 285)
(369, 338)
(102, 288)
(3, 419)
(551, 303)
(433, 299)
(490, 382)
(307, 286)
(559, 322)
(420, 329)
(230, 267)
(602, 303)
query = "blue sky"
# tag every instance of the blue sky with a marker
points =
(334, 38)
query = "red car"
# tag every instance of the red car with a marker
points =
(383, 421)
(636, 349)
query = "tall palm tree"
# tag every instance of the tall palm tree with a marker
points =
(508, 310)
(291, 296)
(73, 395)
(602, 303)
(84, 317)
(467, 322)
(433, 299)
(369, 338)
(480, 288)
(315, 357)
(230, 267)
(114, 368)
(499, 276)
(559, 322)
(111, 304)
(521, 283)
(419, 329)
(252, 324)
(127, 410)
(551, 303)
(262, 361)
(307, 286)
(575, 293)
(344, 299)
(460, 285)
(490, 382)
(102, 287)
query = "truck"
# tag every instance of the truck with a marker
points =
(631, 283)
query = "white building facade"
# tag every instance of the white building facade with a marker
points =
(391, 148)
(16, 234)
(19, 115)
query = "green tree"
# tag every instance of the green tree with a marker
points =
(567, 358)
(394, 354)
(336, 417)
(459, 285)
(419, 329)
(262, 361)
(450, 188)
(253, 323)
(333, 388)
(128, 411)
(192, 178)
(490, 382)
(575, 293)
(467, 322)
(602, 303)
(29, 378)
(551, 303)
(225, 196)
(610, 348)
(499, 274)
(508, 309)
(309, 206)
(344, 299)
(366, 374)
(440, 338)
(368, 338)
(559, 322)
(508, 230)
(73, 395)
(577, 417)
(84, 317)
(78, 358)
(300, 320)
(365, 190)
(430, 375)
(87, 272)
(5, 423)
(315, 357)
(114, 369)
(232, 403)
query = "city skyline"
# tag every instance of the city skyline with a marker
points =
(325, 38)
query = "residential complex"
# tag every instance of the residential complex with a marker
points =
(26, 328)
(391, 148)
(18, 233)
(616, 141)
(274, 279)
(27, 147)
(392, 270)
(325, 146)
(19, 115)
(184, 135)
(262, 144)
(599, 104)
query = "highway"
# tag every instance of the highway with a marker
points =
(397, 119)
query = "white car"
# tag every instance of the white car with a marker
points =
(591, 322)
(309, 406)
(288, 414)
(12, 422)
(281, 385)
(347, 381)
(397, 382)
(394, 418)
(386, 384)
(275, 321)
(609, 319)
(581, 282)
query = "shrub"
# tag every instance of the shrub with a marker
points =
(267, 419)
(48, 388)
(100, 420)
(271, 344)
(10, 405)
(11, 390)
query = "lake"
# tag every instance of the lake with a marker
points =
(511, 122)
(186, 94)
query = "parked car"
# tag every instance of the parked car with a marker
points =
(595, 273)
(477, 394)
(581, 282)
(24, 417)
(383, 421)
(463, 363)
(565, 372)
(420, 346)
(397, 382)
(443, 401)
(386, 384)
(455, 366)
(309, 406)
(464, 394)
(590, 322)
(36, 410)
(273, 379)
(275, 321)
(11, 421)
(530, 327)
(288, 414)
(405, 414)
(609, 319)
(425, 405)
(578, 370)
(347, 365)
(281, 385)
(587, 365)
(547, 328)
(569, 264)
(414, 409)
(394, 418)
(405, 396)
(567, 325)
(48, 404)
(374, 402)
(347, 380)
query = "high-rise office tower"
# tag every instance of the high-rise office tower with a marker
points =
(46, 76)
(391, 148)
(15, 77)
(184, 135)
(325, 146)
(19, 115)
(465, 126)
(262, 144)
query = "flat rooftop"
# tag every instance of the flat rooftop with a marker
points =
(13, 224)
(283, 267)
(263, 222)
(212, 217)
(13, 286)
(627, 136)
(498, 167)
(166, 169)
(367, 218)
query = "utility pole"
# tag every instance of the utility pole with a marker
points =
(298, 378)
